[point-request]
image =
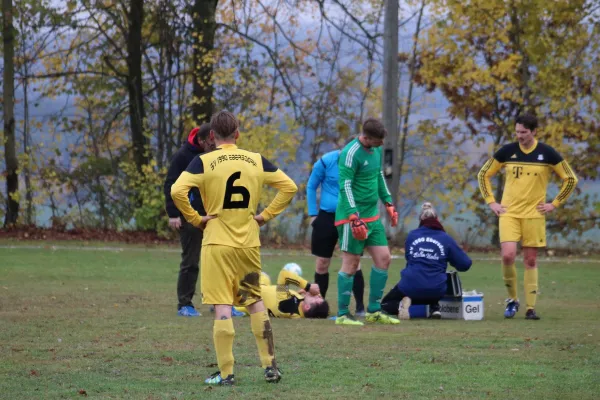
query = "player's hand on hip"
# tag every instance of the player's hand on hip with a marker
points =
(498, 209)
(312, 219)
(314, 289)
(545, 208)
(260, 220)
(359, 228)
(175, 223)
(392, 213)
(205, 220)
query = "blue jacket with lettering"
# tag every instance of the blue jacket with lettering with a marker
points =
(428, 252)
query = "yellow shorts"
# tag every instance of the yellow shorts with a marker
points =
(230, 275)
(531, 232)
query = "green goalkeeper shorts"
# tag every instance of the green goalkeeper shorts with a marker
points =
(375, 237)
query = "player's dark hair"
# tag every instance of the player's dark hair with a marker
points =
(529, 121)
(373, 127)
(224, 124)
(204, 131)
(318, 310)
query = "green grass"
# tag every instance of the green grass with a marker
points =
(105, 322)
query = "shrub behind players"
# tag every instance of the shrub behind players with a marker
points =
(231, 181)
(522, 211)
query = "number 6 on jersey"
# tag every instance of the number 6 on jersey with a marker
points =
(231, 189)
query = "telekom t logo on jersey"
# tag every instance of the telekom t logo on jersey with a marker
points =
(517, 172)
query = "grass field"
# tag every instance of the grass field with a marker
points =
(103, 324)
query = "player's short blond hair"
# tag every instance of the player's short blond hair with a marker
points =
(224, 124)
(427, 211)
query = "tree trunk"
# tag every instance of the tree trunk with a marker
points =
(29, 212)
(390, 92)
(204, 26)
(134, 82)
(10, 152)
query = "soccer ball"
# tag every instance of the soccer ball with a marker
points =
(294, 268)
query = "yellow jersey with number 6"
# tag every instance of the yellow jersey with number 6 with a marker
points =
(231, 182)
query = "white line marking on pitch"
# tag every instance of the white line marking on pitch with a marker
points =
(264, 253)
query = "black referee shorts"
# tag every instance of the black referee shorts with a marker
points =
(324, 235)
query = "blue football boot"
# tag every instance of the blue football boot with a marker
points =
(512, 306)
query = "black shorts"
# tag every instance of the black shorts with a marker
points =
(324, 235)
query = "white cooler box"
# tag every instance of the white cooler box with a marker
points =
(469, 306)
(458, 304)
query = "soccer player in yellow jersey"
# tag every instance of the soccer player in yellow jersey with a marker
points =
(230, 182)
(283, 302)
(528, 165)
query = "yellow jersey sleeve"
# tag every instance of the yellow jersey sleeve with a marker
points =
(287, 278)
(286, 187)
(288, 301)
(180, 189)
(569, 182)
(489, 169)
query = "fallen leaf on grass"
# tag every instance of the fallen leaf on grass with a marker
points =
(515, 349)
(82, 392)
(211, 365)
(167, 360)
(33, 372)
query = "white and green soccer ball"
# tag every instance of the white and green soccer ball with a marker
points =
(294, 268)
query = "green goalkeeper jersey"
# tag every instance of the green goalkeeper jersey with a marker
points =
(361, 182)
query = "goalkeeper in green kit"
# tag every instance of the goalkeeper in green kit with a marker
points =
(357, 220)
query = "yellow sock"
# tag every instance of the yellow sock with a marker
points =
(531, 287)
(223, 334)
(509, 272)
(261, 328)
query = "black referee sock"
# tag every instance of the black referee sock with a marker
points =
(358, 288)
(323, 281)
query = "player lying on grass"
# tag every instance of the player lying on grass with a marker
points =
(283, 302)
(429, 249)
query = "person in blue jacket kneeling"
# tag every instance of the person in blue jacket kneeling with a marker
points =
(429, 249)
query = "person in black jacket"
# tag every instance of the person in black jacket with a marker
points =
(198, 142)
